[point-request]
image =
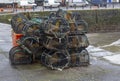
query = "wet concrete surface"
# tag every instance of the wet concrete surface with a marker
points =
(99, 69)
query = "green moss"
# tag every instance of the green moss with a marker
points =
(5, 18)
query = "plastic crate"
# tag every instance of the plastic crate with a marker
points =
(15, 37)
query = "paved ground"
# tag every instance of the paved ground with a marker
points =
(99, 70)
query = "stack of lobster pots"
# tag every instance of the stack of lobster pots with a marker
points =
(58, 41)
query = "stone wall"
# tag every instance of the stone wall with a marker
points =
(102, 20)
(98, 20)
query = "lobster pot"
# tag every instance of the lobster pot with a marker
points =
(22, 25)
(30, 42)
(55, 59)
(54, 43)
(18, 55)
(82, 26)
(17, 22)
(76, 41)
(79, 57)
(30, 29)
